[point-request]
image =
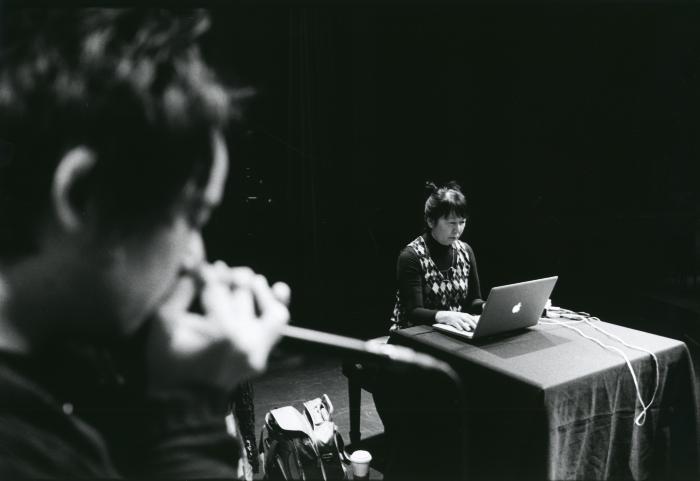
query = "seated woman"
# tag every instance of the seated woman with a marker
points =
(438, 283)
(437, 275)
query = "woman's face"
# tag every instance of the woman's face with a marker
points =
(447, 229)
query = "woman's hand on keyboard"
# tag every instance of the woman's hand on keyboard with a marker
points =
(458, 320)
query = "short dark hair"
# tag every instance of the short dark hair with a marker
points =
(444, 201)
(130, 84)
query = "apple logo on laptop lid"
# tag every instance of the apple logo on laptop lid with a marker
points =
(516, 308)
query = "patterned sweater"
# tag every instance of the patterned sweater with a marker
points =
(433, 277)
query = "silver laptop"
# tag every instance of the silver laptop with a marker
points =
(509, 308)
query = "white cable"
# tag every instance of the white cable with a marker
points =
(641, 417)
(561, 323)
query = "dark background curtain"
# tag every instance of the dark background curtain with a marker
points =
(573, 130)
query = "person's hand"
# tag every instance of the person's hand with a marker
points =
(229, 341)
(458, 320)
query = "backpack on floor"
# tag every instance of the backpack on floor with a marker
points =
(303, 446)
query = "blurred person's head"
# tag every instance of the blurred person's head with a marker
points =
(111, 158)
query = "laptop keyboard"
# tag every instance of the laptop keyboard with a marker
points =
(453, 330)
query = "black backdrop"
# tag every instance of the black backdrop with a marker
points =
(573, 130)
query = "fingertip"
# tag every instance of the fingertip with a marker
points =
(220, 266)
(278, 315)
(282, 292)
(213, 292)
(241, 276)
(287, 316)
(261, 280)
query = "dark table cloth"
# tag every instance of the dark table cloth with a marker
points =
(547, 403)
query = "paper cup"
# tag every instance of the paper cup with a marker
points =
(360, 464)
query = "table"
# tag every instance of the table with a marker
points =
(549, 404)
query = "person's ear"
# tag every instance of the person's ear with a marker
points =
(430, 222)
(69, 188)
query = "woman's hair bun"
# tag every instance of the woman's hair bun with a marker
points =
(453, 185)
(432, 187)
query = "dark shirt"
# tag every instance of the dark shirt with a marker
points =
(71, 415)
(410, 278)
